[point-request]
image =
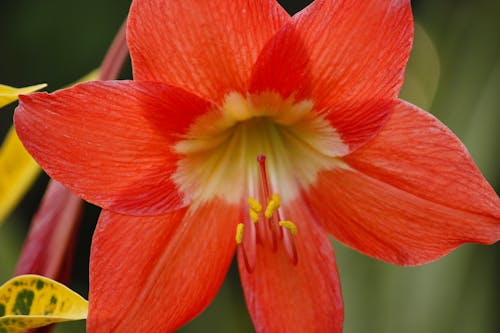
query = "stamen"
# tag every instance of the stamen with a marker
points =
(289, 225)
(271, 207)
(274, 235)
(272, 214)
(248, 254)
(254, 205)
(239, 233)
(289, 243)
(253, 211)
(260, 231)
(254, 216)
(277, 200)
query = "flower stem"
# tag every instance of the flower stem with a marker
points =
(115, 57)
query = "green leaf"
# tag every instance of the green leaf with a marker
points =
(31, 301)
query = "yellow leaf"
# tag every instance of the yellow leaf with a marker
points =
(31, 301)
(91, 76)
(18, 170)
(9, 94)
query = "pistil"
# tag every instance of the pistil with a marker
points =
(271, 204)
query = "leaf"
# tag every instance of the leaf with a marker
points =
(18, 170)
(9, 94)
(90, 76)
(31, 301)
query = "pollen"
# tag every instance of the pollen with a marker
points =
(277, 200)
(274, 231)
(239, 233)
(289, 225)
(254, 216)
(254, 205)
(272, 206)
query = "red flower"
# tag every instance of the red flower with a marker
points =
(171, 156)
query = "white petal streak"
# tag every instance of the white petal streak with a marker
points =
(221, 148)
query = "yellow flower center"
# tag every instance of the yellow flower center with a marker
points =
(219, 151)
(254, 147)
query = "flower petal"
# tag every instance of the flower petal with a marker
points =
(18, 170)
(164, 268)
(409, 196)
(111, 142)
(417, 153)
(207, 47)
(307, 297)
(348, 57)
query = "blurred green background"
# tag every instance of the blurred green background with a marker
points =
(454, 72)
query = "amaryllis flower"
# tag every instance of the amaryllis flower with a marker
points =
(247, 128)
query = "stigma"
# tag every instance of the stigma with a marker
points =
(264, 224)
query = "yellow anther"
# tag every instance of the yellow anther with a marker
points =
(254, 216)
(289, 225)
(254, 205)
(239, 233)
(277, 200)
(271, 207)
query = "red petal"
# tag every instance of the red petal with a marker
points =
(48, 247)
(153, 274)
(111, 142)
(207, 47)
(417, 153)
(347, 56)
(413, 194)
(307, 297)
